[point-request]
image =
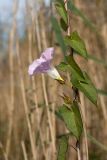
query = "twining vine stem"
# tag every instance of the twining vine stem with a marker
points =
(75, 90)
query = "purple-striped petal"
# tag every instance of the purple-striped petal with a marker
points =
(39, 66)
(42, 64)
(48, 54)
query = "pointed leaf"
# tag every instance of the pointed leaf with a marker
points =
(86, 87)
(75, 69)
(72, 119)
(63, 146)
(58, 34)
(60, 7)
(76, 43)
(63, 25)
(63, 67)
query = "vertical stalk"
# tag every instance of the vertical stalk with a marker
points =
(77, 97)
(78, 150)
(31, 37)
(25, 102)
(75, 90)
(43, 81)
(45, 45)
(82, 110)
(4, 153)
(11, 65)
(24, 150)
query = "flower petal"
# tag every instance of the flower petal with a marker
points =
(42, 64)
(39, 66)
(53, 73)
(48, 54)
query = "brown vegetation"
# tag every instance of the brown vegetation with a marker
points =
(28, 125)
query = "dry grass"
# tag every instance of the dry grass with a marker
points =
(28, 128)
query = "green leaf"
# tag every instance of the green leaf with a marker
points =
(86, 87)
(79, 13)
(64, 26)
(63, 67)
(75, 69)
(72, 119)
(63, 146)
(61, 10)
(80, 79)
(76, 43)
(58, 34)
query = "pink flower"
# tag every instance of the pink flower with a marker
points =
(43, 65)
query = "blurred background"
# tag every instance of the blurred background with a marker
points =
(28, 125)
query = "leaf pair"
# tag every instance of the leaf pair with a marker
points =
(63, 14)
(72, 119)
(60, 7)
(86, 87)
(79, 79)
(75, 42)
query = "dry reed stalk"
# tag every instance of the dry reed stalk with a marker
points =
(11, 64)
(25, 103)
(31, 36)
(45, 45)
(24, 150)
(33, 82)
(30, 59)
(53, 121)
(78, 153)
(4, 153)
(36, 101)
(99, 80)
(85, 140)
(43, 81)
(7, 99)
(103, 106)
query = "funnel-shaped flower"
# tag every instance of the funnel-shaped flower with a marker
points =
(43, 64)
